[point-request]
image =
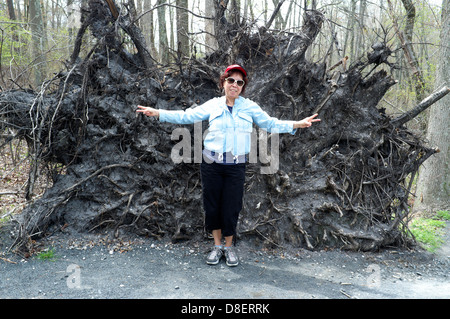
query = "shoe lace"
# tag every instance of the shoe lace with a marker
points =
(216, 251)
(229, 252)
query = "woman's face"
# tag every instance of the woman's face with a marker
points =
(232, 91)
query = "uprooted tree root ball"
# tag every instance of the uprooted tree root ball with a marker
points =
(341, 183)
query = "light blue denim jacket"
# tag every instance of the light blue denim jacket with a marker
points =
(228, 132)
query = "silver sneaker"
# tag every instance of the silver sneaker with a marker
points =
(214, 256)
(231, 257)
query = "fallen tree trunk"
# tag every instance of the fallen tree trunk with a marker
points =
(423, 105)
(342, 183)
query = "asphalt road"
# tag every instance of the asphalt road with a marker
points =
(160, 270)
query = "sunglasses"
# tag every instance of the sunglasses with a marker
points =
(232, 81)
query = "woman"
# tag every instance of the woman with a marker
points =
(231, 119)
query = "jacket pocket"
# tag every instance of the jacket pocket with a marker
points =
(215, 120)
(245, 122)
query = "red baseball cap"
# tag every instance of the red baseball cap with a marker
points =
(236, 67)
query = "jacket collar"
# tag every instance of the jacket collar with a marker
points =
(237, 102)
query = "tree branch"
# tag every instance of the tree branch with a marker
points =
(274, 14)
(427, 102)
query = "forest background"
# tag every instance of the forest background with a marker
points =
(37, 38)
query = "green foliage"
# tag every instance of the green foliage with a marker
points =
(15, 42)
(429, 231)
(4, 219)
(16, 52)
(47, 255)
(443, 214)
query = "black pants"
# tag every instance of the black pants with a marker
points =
(223, 190)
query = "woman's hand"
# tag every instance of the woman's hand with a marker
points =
(306, 122)
(149, 111)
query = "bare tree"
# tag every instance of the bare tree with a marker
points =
(37, 32)
(182, 28)
(406, 44)
(162, 33)
(350, 32)
(210, 39)
(433, 185)
(11, 12)
(148, 27)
